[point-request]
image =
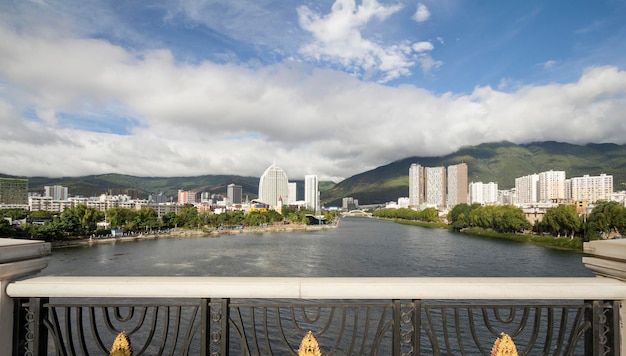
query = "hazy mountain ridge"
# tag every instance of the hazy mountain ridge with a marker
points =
(499, 162)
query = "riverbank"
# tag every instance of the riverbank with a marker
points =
(193, 233)
(575, 244)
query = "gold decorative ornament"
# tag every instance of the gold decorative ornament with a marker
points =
(309, 346)
(121, 346)
(504, 346)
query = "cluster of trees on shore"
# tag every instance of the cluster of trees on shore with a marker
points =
(82, 221)
(605, 220)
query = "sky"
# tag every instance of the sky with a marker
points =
(326, 87)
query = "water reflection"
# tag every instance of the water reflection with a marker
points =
(359, 247)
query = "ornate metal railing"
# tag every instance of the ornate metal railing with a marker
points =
(348, 316)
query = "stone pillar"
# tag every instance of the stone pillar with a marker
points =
(18, 258)
(608, 259)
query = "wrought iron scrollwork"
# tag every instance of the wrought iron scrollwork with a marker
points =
(261, 327)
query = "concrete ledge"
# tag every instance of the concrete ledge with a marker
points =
(493, 288)
(18, 250)
(608, 258)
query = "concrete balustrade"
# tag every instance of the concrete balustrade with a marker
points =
(18, 259)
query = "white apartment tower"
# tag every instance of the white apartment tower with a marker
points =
(56, 192)
(552, 186)
(590, 189)
(416, 185)
(526, 189)
(311, 193)
(435, 186)
(457, 184)
(292, 188)
(483, 193)
(273, 184)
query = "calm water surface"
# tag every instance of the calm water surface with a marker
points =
(358, 247)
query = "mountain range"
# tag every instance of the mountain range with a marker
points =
(499, 162)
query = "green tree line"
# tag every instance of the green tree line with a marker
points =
(82, 221)
(426, 215)
(605, 220)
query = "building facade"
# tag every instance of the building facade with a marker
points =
(483, 193)
(435, 186)
(416, 185)
(311, 193)
(526, 189)
(590, 189)
(273, 185)
(552, 186)
(234, 193)
(457, 185)
(13, 191)
(56, 192)
(186, 197)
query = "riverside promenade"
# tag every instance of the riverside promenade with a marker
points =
(176, 233)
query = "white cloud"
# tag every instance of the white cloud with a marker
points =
(338, 39)
(422, 46)
(207, 118)
(421, 14)
(549, 64)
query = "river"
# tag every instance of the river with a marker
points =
(358, 247)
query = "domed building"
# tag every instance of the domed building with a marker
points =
(273, 185)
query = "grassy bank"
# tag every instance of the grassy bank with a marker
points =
(547, 241)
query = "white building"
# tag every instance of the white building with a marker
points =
(311, 193)
(56, 192)
(483, 193)
(292, 195)
(416, 185)
(273, 184)
(551, 186)
(590, 189)
(526, 189)
(435, 184)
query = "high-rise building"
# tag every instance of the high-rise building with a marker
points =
(56, 192)
(13, 191)
(234, 193)
(551, 186)
(435, 186)
(186, 197)
(483, 193)
(311, 193)
(526, 189)
(416, 185)
(590, 189)
(457, 184)
(273, 184)
(292, 188)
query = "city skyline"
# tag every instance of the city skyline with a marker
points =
(334, 87)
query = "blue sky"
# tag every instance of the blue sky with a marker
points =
(334, 88)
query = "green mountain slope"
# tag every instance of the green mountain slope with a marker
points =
(500, 162)
(99, 184)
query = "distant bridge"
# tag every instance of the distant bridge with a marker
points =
(357, 213)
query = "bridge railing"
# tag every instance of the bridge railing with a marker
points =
(362, 315)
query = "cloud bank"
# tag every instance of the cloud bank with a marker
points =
(72, 105)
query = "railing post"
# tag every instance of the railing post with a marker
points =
(608, 259)
(216, 326)
(33, 335)
(18, 258)
(397, 328)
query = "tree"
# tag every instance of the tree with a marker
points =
(606, 218)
